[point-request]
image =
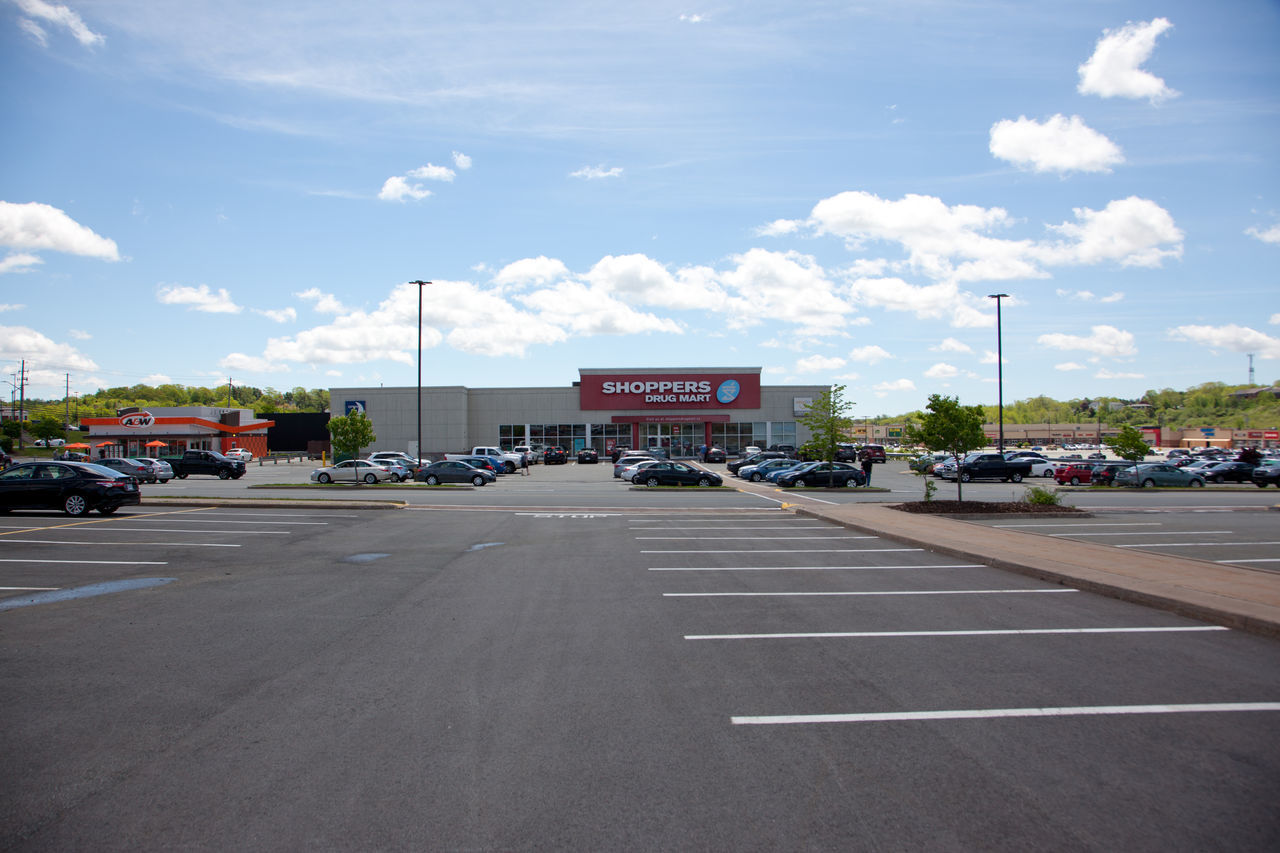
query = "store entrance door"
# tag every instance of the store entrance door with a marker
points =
(677, 440)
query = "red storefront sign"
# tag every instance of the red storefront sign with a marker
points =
(1272, 434)
(602, 391)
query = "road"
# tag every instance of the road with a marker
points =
(694, 670)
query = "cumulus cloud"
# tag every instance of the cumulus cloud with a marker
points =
(819, 364)
(782, 286)
(432, 172)
(19, 262)
(282, 315)
(461, 161)
(1133, 232)
(199, 298)
(6, 306)
(1089, 296)
(883, 388)
(59, 16)
(871, 354)
(1114, 70)
(1069, 365)
(778, 228)
(324, 303)
(951, 345)
(584, 310)
(595, 173)
(38, 226)
(641, 280)
(1060, 145)
(20, 342)
(942, 370)
(526, 271)
(931, 302)
(1103, 373)
(397, 188)
(1104, 341)
(1266, 235)
(1231, 337)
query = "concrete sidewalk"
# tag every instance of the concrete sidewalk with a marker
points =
(1237, 597)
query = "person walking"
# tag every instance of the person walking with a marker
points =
(524, 464)
(867, 464)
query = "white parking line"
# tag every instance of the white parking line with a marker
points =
(882, 592)
(1192, 544)
(127, 544)
(739, 538)
(789, 551)
(94, 562)
(223, 521)
(1256, 560)
(1085, 524)
(814, 568)
(1150, 533)
(154, 530)
(997, 713)
(744, 529)
(991, 632)
(28, 588)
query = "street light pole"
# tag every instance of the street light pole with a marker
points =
(999, 367)
(417, 453)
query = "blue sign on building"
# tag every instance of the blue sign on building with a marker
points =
(355, 406)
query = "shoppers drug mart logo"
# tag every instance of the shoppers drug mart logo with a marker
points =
(728, 391)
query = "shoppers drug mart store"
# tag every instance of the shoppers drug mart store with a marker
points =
(677, 409)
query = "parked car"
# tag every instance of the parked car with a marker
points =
(382, 457)
(756, 473)
(484, 463)
(351, 471)
(714, 454)
(1104, 474)
(241, 453)
(453, 471)
(753, 459)
(135, 468)
(832, 474)
(874, 451)
(1229, 472)
(399, 471)
(73, 487)
(164, 471)
(629, 471)
(1074, 474)
(534, 451)
(588, 456)
(555, 456)
(1041, 467)
(666, 473)
(627, 460)
(1150, 474)
(1266, 473)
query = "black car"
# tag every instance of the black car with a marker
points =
(833, 474)
(665, 473)
(754, 459)
(714, 454)
(588, 456)
(1105, 474)
(1267, 473)
(619, 450)
(1230, 472)
(73, 487)
(555, 456)
(452, 471)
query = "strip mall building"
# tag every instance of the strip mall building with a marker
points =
(678, 409)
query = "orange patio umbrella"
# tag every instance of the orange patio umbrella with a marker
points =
(79, 445)
(156, 444)
(104, 444)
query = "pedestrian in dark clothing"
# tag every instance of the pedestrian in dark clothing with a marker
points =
(866, 468)
(524, 464)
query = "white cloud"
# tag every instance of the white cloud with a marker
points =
(157, 379)
(883, 388)
(692, 19)
(1231, 337)
(59, 15)
(1069, 365)
(242, 363)
(1275, 318)
(782, 286)
(20, 342)
(942, 370)
(931, 302)
(540, 271)
(397, 188)
(324, 303)
(592, 173)
(80, 334)
(5, 306)
(199, 298)
(1114, 69)
(1089, 296)
(951, 345)
(432, 172)
(990, 357)
(1266, 235)
(461, 161)
(819, 364)
(642, 280)
(1133, 232)
(575, 307)
(1103, 373)
(870, 354)
(19, 262)
(39, 226)
(1105, 341)
(282, 315)
(778, 228)
(1060, 145)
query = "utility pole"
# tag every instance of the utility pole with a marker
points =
(1251, 370)
(228, 392)
(22, 400)
(66, 404)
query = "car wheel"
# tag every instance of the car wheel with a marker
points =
(851, 483)
(371, 478)
(966, 477)
(755, 478)
(75, 505)
(1147, 484)
(325, 478)
(800, 484)
(477, 480)
(1196, 484)
(1262, 485)
(704, 481)
(1016, 477)
(182, 476)
(1219, 479)
(224, 474)
(107, 510)
(651, 482)
(162, 482)
(1075, 481)
(433, 480)
(509, 466)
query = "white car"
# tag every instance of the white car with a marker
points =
(631, 470)
(351, 471)
(241, 453)
(164, 471)
(1043, 467)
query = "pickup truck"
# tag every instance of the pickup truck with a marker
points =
(509, 461)
(992, 466)
(205, 462)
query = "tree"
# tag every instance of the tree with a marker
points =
(1128, 444)
(949, 427)
(350, 433)
(48, 427)
(828, 422)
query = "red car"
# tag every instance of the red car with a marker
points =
(1074, 474)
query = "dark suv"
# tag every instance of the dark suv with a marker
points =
(754, 458)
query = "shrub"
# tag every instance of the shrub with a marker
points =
(930, 488)
(1040, 496)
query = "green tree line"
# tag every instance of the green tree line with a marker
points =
(104, 403)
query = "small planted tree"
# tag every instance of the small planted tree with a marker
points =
(950, 428)
(350, 433)
(48, 427)
(827, 418)
(1128, 445)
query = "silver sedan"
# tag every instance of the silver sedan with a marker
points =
(351, 471)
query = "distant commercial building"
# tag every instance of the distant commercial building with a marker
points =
(170, 431)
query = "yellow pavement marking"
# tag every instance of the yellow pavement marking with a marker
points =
(105, 520)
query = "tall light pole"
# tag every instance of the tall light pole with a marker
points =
(999, 367)
(417, 453)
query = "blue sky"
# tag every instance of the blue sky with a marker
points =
(197, 190)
